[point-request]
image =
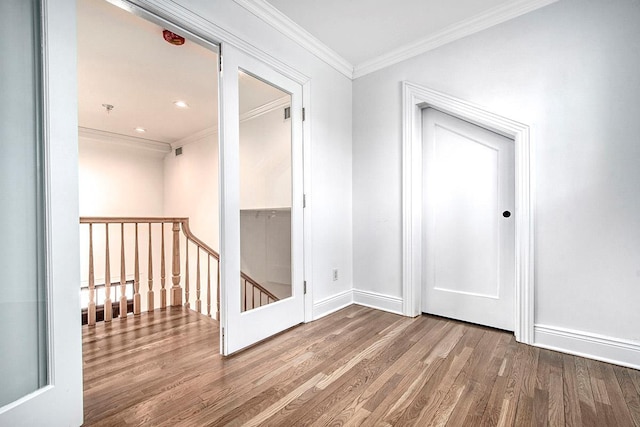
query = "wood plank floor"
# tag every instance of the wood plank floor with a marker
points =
(357, 366)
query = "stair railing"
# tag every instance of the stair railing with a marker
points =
(154, 229)
(252, 289)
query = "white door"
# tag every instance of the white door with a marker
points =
(468, 222)
(261, 201)
(40, 335)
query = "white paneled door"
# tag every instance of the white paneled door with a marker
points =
(468, 222)
(261, 179)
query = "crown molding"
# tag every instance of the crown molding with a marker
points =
(251, 114)
(112, 138)
(451, 33)
(196, 137)
(272, 16)
(265, 108)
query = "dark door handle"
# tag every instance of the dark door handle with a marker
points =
(506, 214)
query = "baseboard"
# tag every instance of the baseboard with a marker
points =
(379, 301)
(331, 304)
(585, 344)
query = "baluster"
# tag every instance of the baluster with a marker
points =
(218, 294)
(123, 277)
(176, 291)
(163, 289)
(253, 296)
(136, 278)
(91, 309)
(198, 302)
(245, 296)
(208, 285)
(150, 305)
(186, 274)
(108, 309)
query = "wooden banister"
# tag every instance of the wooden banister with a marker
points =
(258, 286)
(250, 286)
(187, 232)
(176, 291)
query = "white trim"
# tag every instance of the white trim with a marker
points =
(332, 304)
(196, 137)
(416, 98)
(487, 19)
(266, 108)
(124, 140)
(276, 19)
(378, 301)
(295, 32)
(308, 210)
(593, 346)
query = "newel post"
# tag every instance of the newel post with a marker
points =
(176, 290)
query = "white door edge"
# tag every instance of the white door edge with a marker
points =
(415, 99)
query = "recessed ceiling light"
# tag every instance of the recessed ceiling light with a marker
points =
(140, 130)
(180, 104)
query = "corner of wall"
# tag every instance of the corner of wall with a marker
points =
(378, 301)
(332, 304)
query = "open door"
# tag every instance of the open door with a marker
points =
(261, 193)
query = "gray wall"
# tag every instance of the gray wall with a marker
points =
(572, 71)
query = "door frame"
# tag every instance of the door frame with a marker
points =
(415, 98)
(181, 18)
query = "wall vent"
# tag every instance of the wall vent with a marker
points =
(178, 151)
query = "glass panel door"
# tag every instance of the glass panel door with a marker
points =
(40, 340)
(265, 192)
(22, 291)
(261, 199)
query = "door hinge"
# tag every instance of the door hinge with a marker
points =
(304, 200)
(220, 62)
(305, 287)
(304, 115)
(222, 343)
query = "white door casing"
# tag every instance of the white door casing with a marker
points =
(468, 246)
(242, 329)
(415, 99)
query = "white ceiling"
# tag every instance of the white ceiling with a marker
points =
(124, 61)
(359, 30)
(358, 37)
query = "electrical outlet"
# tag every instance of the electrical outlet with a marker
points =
(335, 274)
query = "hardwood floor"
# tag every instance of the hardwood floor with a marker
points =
(357, 366)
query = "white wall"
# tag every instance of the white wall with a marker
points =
(119, 180)
(191, 186)
(571, 71)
